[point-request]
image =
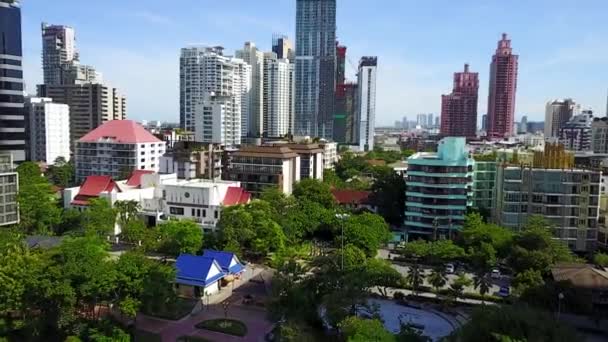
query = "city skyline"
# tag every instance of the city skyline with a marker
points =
(416, 69)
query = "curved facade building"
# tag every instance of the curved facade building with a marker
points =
(12, 120)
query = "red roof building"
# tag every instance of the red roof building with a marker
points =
(354, 199)
(115, 148)
(92, 187)
(235, 196)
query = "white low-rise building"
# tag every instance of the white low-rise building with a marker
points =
(161, 197)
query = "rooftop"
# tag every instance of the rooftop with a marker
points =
(582, 275)
(197, 183)
(346, 196)
(266, 151)
(120, 131)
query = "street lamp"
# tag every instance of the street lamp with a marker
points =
(342, 218)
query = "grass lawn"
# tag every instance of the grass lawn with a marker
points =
(226, 326)
(192, 339)
(175, 311)
(146, 336)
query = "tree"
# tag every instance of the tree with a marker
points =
(407, 333)
(388, 193)
(433, 252)
(438, 278)
(483, 257)
(313, 190)
(126, 211)
(415, 277)
(601, 259)
(526, 280)
(366, 231)
(381, 273)
(534, 248)
(355, 329)
(132, 270)
(72, 221)
(353, 256)
(482, 282)
(38, 208)
(513, 323)
(61, 173)
(476, 232)
(180, 237)
(99, 217)
(135, 232)
(458, 285)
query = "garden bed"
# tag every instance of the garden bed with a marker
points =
(225, 326)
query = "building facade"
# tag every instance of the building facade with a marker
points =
(117, 148)
(330, 154)
(599, 135)
(459, 109)
(315, 67)
(218, 120)
(253, 119)
(190, 160)
(12, 120)
(278, 94)
(503, 86)
(439, 190)
(557, 114)
(58, 52)
(340, 102)
(282, 46)
(49, 130)
(90, 105)
(575, 134)
(258, 167)
(205, 70)
(9, 209)
(368, 70)
(566, 198)
(484, 186)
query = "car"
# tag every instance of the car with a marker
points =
(495, 273)
(504, 291)
(449, 268)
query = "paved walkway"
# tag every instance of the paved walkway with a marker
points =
(254, 318)
(391, 291)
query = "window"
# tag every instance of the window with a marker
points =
(187, 195)
(198, 212)
(192, 212)
(143, 160)
(204, 213)
(176, 211)
(215, 214)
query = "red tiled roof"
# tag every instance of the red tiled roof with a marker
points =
(121, 131)
(235, 196)
(351, 196)
(135, 178)
(92, 187)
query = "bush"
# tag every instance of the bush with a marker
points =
(225, 326)
(398, 295)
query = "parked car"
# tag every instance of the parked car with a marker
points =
(495, 273)
(449, 268)
(505, 291)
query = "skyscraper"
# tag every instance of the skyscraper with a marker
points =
(253, 121)
(48, 124)
(340, 103)
(206, 70)
(459, 109)
(315, 67)
(421, 120)
(368, 69)
(278, 96)
(503, 86)
(557, 113)
(12, 120)
(282, 46)
(58, 50)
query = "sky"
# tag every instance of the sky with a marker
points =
(562, 44)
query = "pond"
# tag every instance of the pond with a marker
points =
(435, 326)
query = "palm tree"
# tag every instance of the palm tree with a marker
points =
(438, 278)
(482, 282)
(415, 277)
(457, 287)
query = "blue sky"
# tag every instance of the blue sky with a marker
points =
(563, 45)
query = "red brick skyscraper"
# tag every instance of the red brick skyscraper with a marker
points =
(459, 109)
(503, 85)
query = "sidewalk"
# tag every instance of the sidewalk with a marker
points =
(391, 291)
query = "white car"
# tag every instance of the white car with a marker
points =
(449, 268)
(495, 274)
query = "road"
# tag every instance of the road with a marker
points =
(404, 270)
